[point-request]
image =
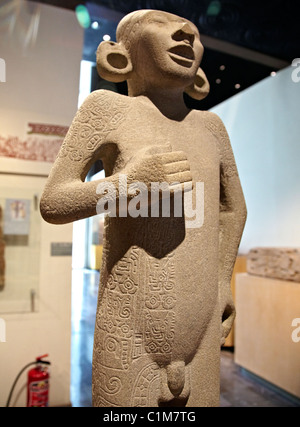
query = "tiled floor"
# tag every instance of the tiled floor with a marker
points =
(237, 388)
(241, 389)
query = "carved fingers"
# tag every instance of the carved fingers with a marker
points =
(159, 164)
(176, 170)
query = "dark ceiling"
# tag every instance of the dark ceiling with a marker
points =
(245, 40)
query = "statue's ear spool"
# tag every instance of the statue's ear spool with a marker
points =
(113, 62)
(200, 88)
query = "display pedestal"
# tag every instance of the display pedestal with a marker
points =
(265, 330)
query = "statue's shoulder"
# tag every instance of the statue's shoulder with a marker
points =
(208, 117)
(103, 110)
(213, 123)
(105, 100)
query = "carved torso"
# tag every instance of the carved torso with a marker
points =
(158, 297)
(159, 279)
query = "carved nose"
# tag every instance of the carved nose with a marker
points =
(185, 33)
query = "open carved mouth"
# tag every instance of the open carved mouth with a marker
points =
(182, 54)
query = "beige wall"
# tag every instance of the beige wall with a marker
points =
(42, 81)
(264, 344)
(263, 125)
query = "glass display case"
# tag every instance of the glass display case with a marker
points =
(19, 243)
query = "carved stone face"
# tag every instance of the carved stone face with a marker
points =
(168, 46)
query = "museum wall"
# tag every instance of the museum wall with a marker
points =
(264, 127)
(42, 48)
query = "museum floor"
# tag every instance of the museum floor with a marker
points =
(238, 389)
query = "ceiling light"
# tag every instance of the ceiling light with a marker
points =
(95, 25)
(83, 16)
(106, 37)
(214, 8)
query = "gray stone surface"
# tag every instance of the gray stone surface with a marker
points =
(165, 303)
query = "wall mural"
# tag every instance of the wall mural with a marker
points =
(42, 143)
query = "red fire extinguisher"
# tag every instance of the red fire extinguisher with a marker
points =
(38, 384)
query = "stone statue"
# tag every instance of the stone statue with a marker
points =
(165, 304)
